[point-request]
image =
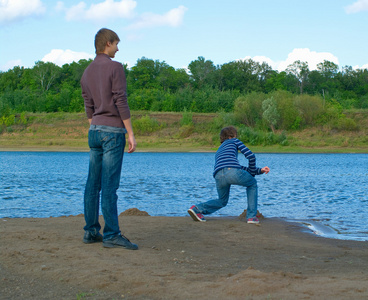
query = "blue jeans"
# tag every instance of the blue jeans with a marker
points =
(106, 158)
(224, 179)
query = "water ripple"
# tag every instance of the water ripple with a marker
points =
(326, 188)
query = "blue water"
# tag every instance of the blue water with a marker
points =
(327, 192)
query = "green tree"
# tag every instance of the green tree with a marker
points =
(46, 74)
(170, 79)
(270, 113)
(328, 69)
(301, 71)
(72, 73)
(242, 76)
(12, 79)
(322, 80)
(143, 75)
(202, 72)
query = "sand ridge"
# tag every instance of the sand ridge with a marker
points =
(224, 258)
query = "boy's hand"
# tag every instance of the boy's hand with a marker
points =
(265, 170)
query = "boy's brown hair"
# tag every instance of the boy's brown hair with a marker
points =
(228, 132)
(103, 36)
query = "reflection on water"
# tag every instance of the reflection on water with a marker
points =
(328, 188)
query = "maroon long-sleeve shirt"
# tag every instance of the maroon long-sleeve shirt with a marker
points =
(104, 92)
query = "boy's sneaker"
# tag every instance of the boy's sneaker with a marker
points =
(253, 221)
(196, 216)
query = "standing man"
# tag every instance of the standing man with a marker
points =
(105, 99)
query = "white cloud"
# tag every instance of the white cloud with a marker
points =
(60, 6)
(313, 58)
(103, 11)
(13, 10)
(262, 59)
(358, 6)
(60, 57)
(10, 65)
(172, 18)
(362, 67)
(129, 64)
(123, 9)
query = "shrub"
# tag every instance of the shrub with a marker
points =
(253, 137)
(309, 107)
(250, 136)
(222, 120)
(248, 109)
(332, 112)
(363, 102)
(345, 123)
(187, 118)
(282, 139)
(22, 119)
(289, 115)
(145, 125)
(185, 131)
(7, 120)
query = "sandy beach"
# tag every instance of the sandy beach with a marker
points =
(224, 258)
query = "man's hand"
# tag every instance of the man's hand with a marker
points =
(132, 143)
(131, 139)
(265, 170)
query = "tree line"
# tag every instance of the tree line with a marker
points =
(252, 90)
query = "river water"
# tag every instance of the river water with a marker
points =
(326, 192)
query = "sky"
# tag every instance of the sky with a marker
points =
(177, 32)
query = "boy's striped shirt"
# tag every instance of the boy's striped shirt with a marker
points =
(227, 157)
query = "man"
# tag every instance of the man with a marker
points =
(104, 91)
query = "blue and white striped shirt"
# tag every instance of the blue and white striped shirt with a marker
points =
(227, 157)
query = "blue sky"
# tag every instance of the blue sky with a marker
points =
(179, 31)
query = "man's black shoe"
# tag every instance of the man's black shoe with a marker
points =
(90, 237)
(120, 241)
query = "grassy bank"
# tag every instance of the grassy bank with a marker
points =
(180, 132)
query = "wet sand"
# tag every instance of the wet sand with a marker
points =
(224, 258)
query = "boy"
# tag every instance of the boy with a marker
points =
(105, 99)
(228, 171)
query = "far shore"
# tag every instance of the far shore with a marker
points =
(68, 132)
(184, 149)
